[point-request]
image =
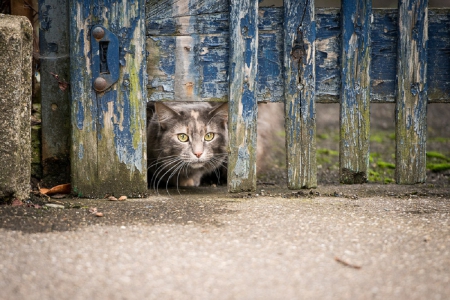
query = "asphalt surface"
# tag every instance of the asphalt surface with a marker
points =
(338, 242)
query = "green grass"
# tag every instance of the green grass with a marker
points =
(323, 136)
(382, 164)
(439, 139)
(380, 170)
(377, 138)
(327, 152)
(438, 167)
(437, 162)
(437, 155)
(385, 165)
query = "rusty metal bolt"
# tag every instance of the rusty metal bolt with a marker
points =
(100, 84)
(98, 33)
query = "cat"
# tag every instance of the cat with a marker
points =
(185, 142)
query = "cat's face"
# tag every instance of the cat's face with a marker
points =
(189, 136)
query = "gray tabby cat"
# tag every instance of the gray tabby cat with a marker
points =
(185, 142)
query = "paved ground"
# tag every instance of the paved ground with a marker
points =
(340, 242)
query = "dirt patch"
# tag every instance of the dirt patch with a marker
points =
(44, 215)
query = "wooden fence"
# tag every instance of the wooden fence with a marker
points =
(238, 52)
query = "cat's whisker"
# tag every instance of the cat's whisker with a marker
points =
(170, 169)
(154, 164)
(171, 175)
(218, 163)
(217, 173)
(159, 164)
(162, 160)
(160, 169)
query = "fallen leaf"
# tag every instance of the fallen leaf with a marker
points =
(16, 202)
(59, 189)
(93, 210)
(112, 198)
(99, 214)
(123, 198)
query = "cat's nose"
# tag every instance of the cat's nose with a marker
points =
(198, 154)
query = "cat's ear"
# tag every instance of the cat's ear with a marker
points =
(164, 113)
(221, 112)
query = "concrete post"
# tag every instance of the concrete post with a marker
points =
(16, 42)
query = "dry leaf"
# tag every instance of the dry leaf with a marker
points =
(112, 198)
(16, 202)
(123, 198)
(93, 210)
(59, 189)
(99, 214)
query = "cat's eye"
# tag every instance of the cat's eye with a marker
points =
(209, 136)
(183, 137)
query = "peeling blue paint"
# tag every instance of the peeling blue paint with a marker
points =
(80, 151)
(109, 143)
(80, 115)
(411, 103)
(242, 164)
(328, 78)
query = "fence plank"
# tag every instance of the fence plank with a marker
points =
(54, 59)
(299, 84)
(84, 158)
(355, 91)
(108, 128)
(411, 105)
(438, 52)
(242, 95)
(213, 55)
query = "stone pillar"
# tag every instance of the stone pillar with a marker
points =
(16, 45)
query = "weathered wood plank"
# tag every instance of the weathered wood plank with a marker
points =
(157, 9)
(84, 158)
(438, 53)
(108, 128)
(299, 84)
(384, 36)
(328, 48)
(383, 68)
(355, 91)
(270, 86)
(243, 108)
(163, 32)
(411, 104)
(54, 59)
(201, 65)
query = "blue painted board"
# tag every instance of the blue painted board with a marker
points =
(108, 127)
(355, 91)
(299, 89)
(270, 87)
(242, 102)
(411, 92)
